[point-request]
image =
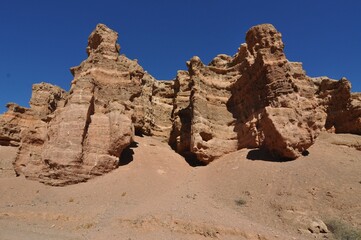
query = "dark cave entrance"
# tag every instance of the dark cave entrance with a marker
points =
(192, 160)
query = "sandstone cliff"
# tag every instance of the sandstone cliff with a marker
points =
(254, 99)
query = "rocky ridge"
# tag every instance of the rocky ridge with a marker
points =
(254, 99)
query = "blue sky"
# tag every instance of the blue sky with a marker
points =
(41, 39)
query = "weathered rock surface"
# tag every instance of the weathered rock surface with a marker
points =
(343, 108)
(254, 99)
(84, 137)
(16, 123)
(7, 159)
(273, 100)
(46, 98)
(162, 107)
(211, 132)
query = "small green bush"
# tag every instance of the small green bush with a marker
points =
(240, 202)
(341, 231)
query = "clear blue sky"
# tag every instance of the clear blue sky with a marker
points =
(42, 39)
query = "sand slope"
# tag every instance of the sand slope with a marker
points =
(157, 195)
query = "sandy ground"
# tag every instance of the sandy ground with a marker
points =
(243, 195)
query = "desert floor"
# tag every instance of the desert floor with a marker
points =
(157, 195)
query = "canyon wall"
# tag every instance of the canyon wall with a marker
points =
(254, 99)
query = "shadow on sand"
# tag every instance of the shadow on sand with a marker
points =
(127, 155)
(264, 155)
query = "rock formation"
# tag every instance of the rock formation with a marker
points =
(254, 99)
(272, 99)
(342, 107)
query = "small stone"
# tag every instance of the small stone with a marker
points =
(318, 226)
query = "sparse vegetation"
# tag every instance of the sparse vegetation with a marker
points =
(240, 202)
(71, 199)
(85, 226)
(342, 231)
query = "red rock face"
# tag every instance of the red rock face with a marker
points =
(273, 100)
(343, 108)
(85, 137)
(254, 99)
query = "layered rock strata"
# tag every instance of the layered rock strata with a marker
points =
(342, 107)
(273, 100)
(254, 99)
